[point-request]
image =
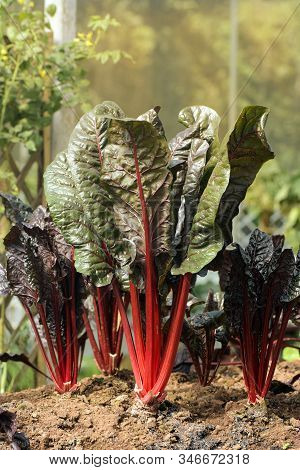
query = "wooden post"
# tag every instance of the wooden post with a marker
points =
(232, 102)
(63, 24)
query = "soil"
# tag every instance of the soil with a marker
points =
(104, 414)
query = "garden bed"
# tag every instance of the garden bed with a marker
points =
(103, 414)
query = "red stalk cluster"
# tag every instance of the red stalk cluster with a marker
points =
(207, 366)
(151, 355)
(107, 348)
(259, 358)
(63, 354)
(152, 358)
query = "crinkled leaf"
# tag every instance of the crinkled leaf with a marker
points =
(281, 277)
(236, 282)
(194, 340)
(15, 210)
(39, 268)
(259, 251)
(93, 194)
(189, 149)
(41, 219)
(258, 279)
(207, 320)
(292, 291)
(278, 243)
(78, 204)
(248, 150)
(69, 212)
(25, 265)
(152, 117)
(207, 118)
(196, 333)
(206, 239)
(119, 175)
(268, 268)
(186, 190)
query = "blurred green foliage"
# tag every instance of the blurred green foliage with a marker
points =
(181, 57)
(88, 367)
(273, 190)
(38, 77)
(290, 354)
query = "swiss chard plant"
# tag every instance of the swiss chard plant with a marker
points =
(203, 328)
(40, 271)
(262, 290)
(145, 215)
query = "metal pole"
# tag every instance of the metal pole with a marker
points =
(63, 24)
(232, 104)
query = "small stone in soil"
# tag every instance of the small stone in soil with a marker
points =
(295, 423)
(151, 423)
(88, 423)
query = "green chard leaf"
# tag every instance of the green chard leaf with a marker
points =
(205, 117)
(248, 150)
(195, 167)
(118, 175)
(93, 194)
(187, 165)
(152, 117)
(134, 147)
(205, 238)
(78, 203)
(68, 211)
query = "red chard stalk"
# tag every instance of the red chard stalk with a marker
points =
(106, 344)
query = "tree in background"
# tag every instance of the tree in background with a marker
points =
(38, 77)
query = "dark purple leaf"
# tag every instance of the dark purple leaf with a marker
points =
(15, 210)
(8, 425)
